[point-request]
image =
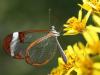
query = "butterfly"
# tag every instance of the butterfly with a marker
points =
(37, 47)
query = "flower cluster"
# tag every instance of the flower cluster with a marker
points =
(83, 59)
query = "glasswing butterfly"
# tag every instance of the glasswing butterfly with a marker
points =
(37, 50)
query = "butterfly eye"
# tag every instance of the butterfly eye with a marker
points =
(42, 51)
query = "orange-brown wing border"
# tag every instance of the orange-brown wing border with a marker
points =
(27, 56)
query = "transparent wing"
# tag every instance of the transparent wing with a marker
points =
(43, 52)
(21, 47)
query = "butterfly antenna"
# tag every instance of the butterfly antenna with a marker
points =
(49, 13)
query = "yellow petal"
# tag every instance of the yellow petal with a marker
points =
(72, 19)
(96, 19)
(81, 46)
(71, 32)
(76, 49)
(60, 61)
(89, 51)
(93, 28)
(94, 35)
(91, 5)
(69, 47)
(96, 68)
(80, 15)
(87, 37)
(65, 25)
(85, 1)
(96, 65)
(70, 51)
(69, 71)
(85, 6)
(79, 71)
(85, 19)
(66, 29)
(78, 52)
(96, 72)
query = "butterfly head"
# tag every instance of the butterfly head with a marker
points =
(54, 31)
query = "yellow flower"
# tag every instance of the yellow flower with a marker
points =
(93, 5)
(76, 25)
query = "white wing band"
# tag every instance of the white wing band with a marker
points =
(14, 42)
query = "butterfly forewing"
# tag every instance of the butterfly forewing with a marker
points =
(41, 53)
(24, 39)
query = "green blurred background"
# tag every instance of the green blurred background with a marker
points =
(19, 15)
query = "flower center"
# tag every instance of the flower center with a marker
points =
(75, 24)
